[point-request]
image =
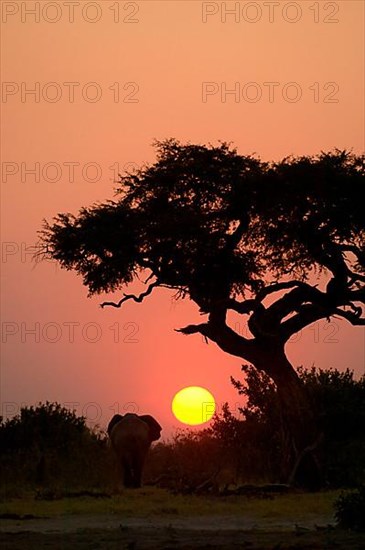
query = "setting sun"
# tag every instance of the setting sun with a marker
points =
(193, 405)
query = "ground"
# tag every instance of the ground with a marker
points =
(155, 519)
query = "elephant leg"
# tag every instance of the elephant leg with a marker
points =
(128, 478)
(138, 470)
(137, 478)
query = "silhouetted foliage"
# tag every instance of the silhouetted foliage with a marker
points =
(340, 403)
(248, 449)
(231, 231)
(340, 400)
(46, 426)
(49, 445)
(208, 215)
(350, 510)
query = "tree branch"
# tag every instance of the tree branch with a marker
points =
(254, 304)
(360, 255)
(357, 295)
(356, 276)
(227, 339)
(307, 314)
(194, 329)
(139, 298)
(293, 301)
(243, 307)
(276, 287)
(354, 317)
(265, 322)
(311, 305)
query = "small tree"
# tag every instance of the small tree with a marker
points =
(234, 233)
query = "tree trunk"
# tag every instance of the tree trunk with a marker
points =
(301, 463)
(301, 459)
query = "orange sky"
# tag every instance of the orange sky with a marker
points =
(173, 72)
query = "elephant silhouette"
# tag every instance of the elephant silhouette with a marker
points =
(131, 436)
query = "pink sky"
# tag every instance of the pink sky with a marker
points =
(173, 72)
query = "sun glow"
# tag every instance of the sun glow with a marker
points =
(193, 405)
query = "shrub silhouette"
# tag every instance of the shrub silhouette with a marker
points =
(339, 400)
(49, 445)
(249, 449)
(350, 510)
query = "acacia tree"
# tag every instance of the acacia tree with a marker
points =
(281, 244)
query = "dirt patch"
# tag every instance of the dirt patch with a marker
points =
(218, 532)
(169, 538)
(225, 523)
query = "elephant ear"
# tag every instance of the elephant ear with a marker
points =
(116, 418)
(154, 426)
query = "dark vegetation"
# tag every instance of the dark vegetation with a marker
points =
(350, 510)
(249, 449)
(234, 233)
(49, 450)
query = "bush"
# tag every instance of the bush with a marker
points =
(49, 446)
(250, 449)
(190, 460)
(339, 400)
(350, 510)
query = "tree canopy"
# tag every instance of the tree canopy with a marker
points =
(215, 225)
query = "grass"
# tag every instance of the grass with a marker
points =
(285, 522)
(150, 501)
